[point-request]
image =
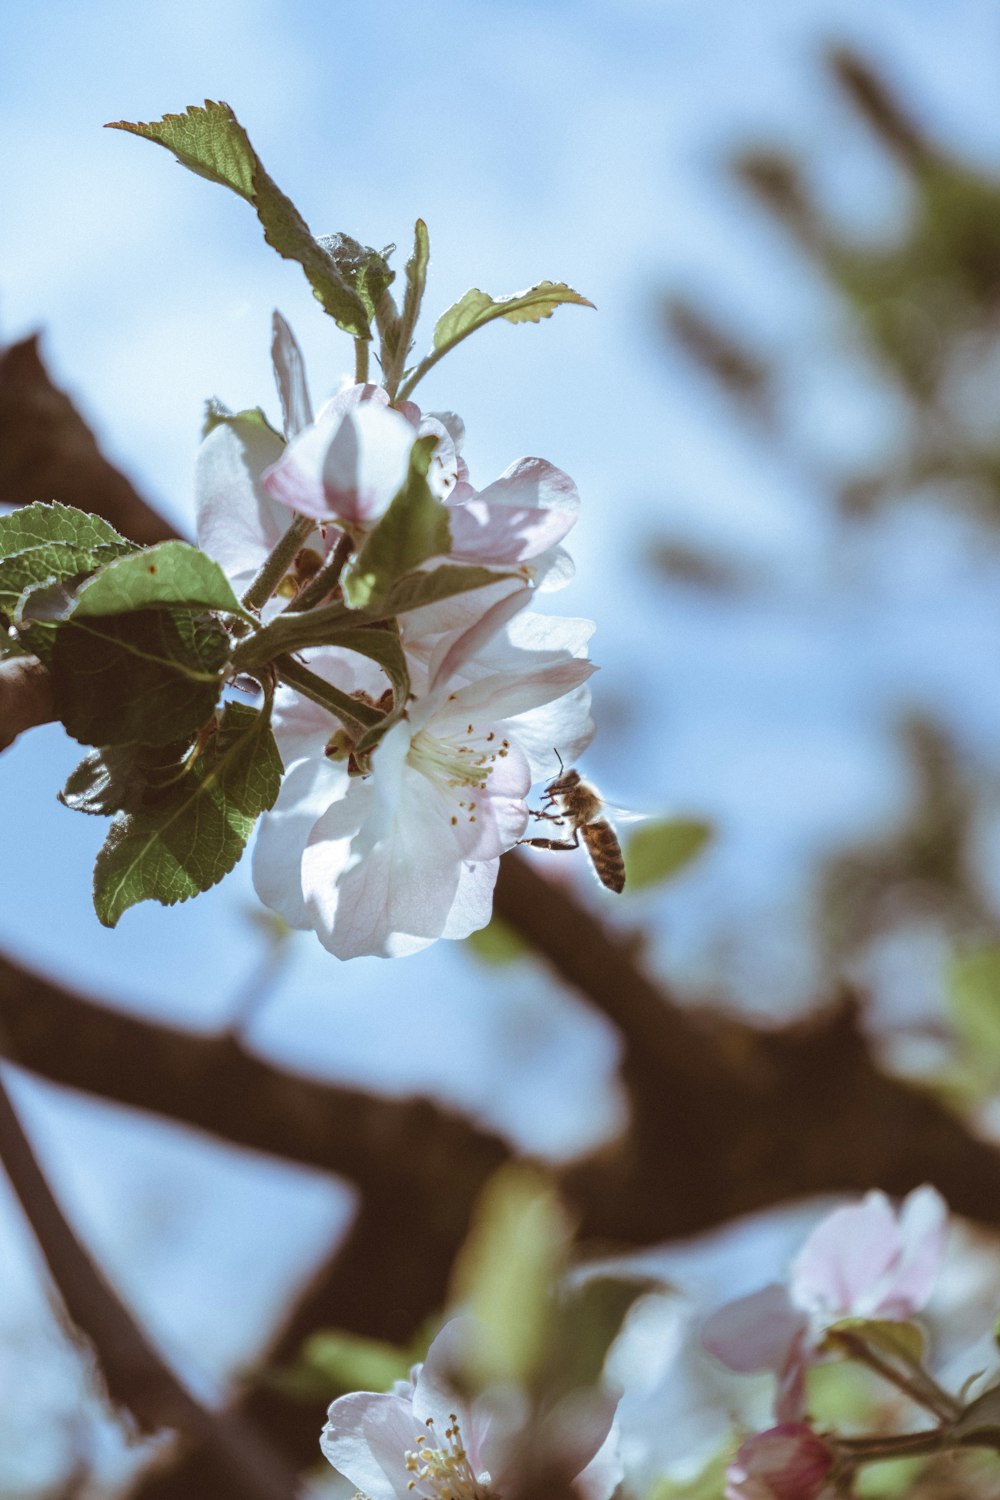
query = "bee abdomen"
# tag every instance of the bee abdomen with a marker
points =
(605, 852)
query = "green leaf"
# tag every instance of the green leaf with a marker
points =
(497, 943)
(365, 270)
(414, 528)
(981, 1416)
(589, 1319)
(417, 589)
(506, 1271)
(148, 677)
(477, 308)
(34, 525)
(398, 335)
(24, 573)
(124, 778)
(901, 1342)
(974, 1002)
(350, 1362)
(657, 851)
(172, 573)
(211, 141)
(186, 845)
(218, 415)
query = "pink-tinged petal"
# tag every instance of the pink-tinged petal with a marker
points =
(787, 1462)
(923, 1229)
(349, 465)
(552, 570)
(452, 424)
(350, 398)
(475, 822)
(238, 523)
(758, 1332)
(290, 377)
(445, 1370)
(367, 1437)
(846, 1257)
(472, 907)
(284, 832)
(424, 630)
(522, 515)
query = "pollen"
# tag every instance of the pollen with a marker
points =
(440, 1469)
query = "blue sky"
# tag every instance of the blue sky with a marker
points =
(579, 141)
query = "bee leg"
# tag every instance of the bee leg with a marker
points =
(573, 843)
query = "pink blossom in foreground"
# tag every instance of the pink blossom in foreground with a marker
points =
(426, 1441)
(788, 1462)
(387, 862)
(350, 462)
(864, 1260)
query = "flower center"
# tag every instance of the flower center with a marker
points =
(440, 1470)
(451, 764)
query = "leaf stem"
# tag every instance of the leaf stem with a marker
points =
(326, 580)
(918, 1385)
(352, 711)
(360, 361)
(277, 564)
(293, 632)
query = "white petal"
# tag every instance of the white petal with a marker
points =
(348, 465)
(367, 1437)
(283, 834)
(237, 521)
(507, 694)
(290, 376)
(454, 653)
(564, 725)
(472, 907)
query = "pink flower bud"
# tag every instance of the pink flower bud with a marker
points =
(788, 1462)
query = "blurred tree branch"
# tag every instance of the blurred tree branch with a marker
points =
(137, 1377)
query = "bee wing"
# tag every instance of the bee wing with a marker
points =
(624, 814)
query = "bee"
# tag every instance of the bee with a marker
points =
(570, 799)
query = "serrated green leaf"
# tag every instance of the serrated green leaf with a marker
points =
(899, 1341)
(658, 851)
(397, 336)
(417, 589)
(148, 677)
(477, 308)
(23, 573)
(365, 270)
(124, 778)
(35, 525)
(189, 842)
(171, 574)
(506, 1272)
(210, 141)
(414, 528)
(218, 415)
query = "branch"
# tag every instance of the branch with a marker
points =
(136, 1375)
(25, 698)
(47, 452)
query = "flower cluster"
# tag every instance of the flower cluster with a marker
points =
(428, 1439)
(383, 843)
(863, 1262)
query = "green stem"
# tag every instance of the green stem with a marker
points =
(326, 579)
(360, 361)
(421, 370)
(278, 563)
(918, 1385)
(355, 714)
(292, 632)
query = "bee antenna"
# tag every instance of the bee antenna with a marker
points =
(559, 758)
